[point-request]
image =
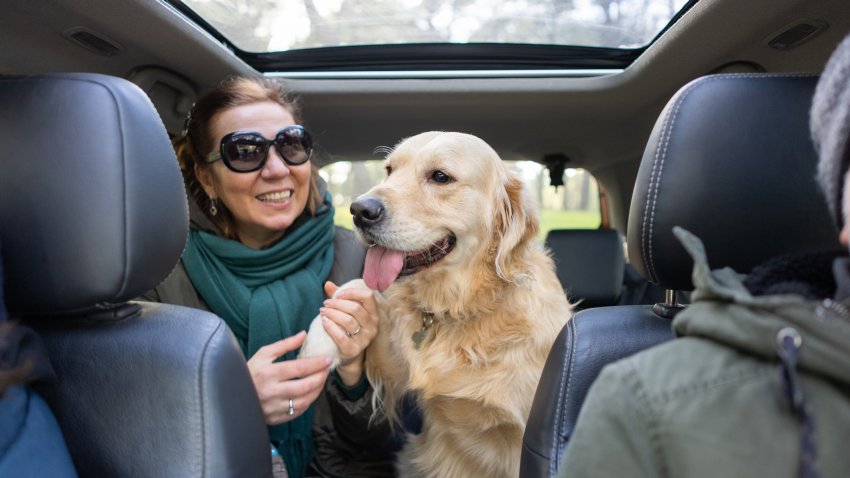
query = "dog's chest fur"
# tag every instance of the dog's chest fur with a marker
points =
(446, 355)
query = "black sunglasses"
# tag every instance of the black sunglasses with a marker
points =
(247, 151)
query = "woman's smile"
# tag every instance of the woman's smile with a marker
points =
(276, 197)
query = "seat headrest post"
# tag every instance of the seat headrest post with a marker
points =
(670, 298)
(670, 307)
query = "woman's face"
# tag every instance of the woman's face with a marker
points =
(264, 203)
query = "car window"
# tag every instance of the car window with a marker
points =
(298, 37)
(575, 205)
(268, 25)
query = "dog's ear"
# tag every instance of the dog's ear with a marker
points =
(515, 225)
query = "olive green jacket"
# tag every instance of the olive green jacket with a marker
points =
(709, 403)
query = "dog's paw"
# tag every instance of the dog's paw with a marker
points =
(318, 342)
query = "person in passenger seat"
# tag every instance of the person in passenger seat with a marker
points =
(757, 382)
(262, 253)
(31, 443)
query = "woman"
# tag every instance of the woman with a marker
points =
(262, 253)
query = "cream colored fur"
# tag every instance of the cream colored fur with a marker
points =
(318, 342)
(497, 303)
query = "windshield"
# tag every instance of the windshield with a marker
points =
(284, 25)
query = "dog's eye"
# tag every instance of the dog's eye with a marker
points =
(389, 169)
(440, 177)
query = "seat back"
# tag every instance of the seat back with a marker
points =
(593, 271)
(590, 264)
(93, 213)
(729, 159)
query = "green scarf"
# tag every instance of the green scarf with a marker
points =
(267, 295)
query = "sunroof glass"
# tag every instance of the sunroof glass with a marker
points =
(282, 25)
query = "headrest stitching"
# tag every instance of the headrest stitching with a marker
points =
(651, 198)
(119, 113)
(655, 184)
(653, 195)
(553, 455)
(126, 227)
(186, 205)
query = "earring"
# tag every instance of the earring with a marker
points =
(213, 209)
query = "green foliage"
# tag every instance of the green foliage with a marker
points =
(342, 217)
(573, 206)
(550, 219)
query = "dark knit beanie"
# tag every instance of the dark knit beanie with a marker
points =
(830, 127)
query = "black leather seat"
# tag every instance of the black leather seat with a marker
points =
(593, 271)
(730, 159)
(93, 213)
(590, 264)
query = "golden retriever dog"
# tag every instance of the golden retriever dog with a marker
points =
(472, 305)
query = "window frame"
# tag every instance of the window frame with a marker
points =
(433, 57)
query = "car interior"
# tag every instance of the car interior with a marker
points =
(731, 190)
(701, 124)
(94, 228)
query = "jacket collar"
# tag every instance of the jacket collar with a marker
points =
(724, 311)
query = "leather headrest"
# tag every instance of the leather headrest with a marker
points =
(729, 159)
(590, 264)
(93, 210)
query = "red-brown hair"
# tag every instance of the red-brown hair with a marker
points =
(196, 141)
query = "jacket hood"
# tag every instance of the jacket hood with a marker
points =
(724, 311)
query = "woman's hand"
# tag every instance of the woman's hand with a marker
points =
(287, 388)
(351, 319)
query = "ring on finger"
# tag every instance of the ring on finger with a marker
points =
(291, 407)
(352, 334)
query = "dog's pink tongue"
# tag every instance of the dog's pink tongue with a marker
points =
(382, 267)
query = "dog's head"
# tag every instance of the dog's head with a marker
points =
(447, 201)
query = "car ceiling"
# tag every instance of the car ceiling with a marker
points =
(599, 123)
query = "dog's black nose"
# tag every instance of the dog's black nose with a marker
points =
(367, 211)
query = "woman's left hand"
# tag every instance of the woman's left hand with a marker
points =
(351, 319)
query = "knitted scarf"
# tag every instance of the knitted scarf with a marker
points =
(266, 295)
(807, 274)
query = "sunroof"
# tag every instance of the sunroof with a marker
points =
(260, 26)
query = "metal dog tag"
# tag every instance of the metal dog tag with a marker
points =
(420, 335)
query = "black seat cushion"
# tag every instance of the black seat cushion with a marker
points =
(730, 159)
(93, 213)
(573, 364)
(165, 392)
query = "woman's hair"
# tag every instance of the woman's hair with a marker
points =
(196, 141)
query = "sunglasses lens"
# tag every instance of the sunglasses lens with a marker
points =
(294, 144)
(245, 152)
